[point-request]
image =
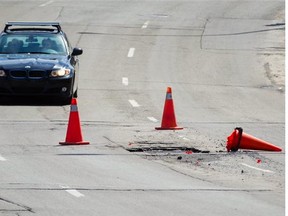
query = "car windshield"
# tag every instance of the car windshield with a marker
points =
(29, 43)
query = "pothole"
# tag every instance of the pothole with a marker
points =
(166, 149)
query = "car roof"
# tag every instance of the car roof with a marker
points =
(13, 27)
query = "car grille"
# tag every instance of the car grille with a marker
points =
(33, 74)
(36, 74)
(18, 74)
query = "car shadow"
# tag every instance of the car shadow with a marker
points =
(31, 101)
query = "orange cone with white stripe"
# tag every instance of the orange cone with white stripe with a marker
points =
(74, 133)
(168, 118)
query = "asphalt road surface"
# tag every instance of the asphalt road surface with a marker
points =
(224, 61)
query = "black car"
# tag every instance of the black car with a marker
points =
(36, 58)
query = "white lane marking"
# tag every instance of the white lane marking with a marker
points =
(256, 168)
(45, 4)
(73, 192)
(184, 138)
(131, 52)
(134, 103)
(145, 25)
(125, 81)
(2, 158)
(152, 119)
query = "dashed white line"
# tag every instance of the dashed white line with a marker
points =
(131, 52)
(134, 103)
(184, 138)
(256, 168)
(2, 158)
(45, 4)
(73, 192)
(125, 81)
(152, 119)
(145, 25)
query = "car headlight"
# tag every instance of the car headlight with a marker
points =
(2, 73)
(60, 72)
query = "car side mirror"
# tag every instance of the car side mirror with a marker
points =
(77, 51)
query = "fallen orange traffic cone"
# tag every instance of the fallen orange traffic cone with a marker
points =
(168, 118)
(74, 134)
(239, 140)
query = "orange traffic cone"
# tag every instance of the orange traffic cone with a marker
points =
(168, 118)
(74, 134)
(239, 140)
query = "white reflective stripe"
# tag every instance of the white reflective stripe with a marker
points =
(168, 96)
(74, 108)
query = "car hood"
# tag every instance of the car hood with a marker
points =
(43, 62)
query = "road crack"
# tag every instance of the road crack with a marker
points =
(25, 208)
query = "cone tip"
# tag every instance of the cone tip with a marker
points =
(73, 101)
(169, 90)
